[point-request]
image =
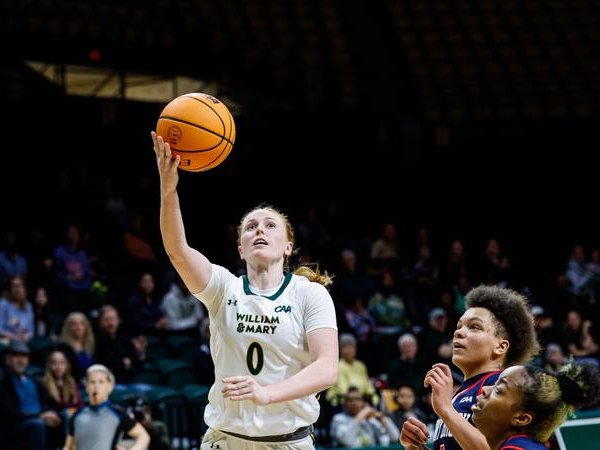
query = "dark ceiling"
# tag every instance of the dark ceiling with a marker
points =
(443, 60)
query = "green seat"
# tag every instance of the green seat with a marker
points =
(197, 399)
(156, 349)
(123, 395)
(176, 373)
(184, 348)
(40, 348)
(169, 405)
(148, 374)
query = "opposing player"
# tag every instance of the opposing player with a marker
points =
(273, 333)
(527, 404)
(495, 331)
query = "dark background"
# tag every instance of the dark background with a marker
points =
(475, 119)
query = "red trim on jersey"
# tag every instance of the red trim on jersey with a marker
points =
(475, 384)
(512, 447)
(485, 378)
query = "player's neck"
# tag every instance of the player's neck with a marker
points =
(265, 279)
(470, 372)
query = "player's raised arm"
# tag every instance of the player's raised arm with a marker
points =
(193, 267)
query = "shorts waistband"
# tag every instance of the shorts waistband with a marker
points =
(300, 433)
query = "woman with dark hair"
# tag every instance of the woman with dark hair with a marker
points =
(496, 331)
(528, 403)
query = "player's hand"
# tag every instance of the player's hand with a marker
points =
(245, 388)
(439, 378)
(166, 162)
(414, 433)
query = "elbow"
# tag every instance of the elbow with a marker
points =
(331, 376)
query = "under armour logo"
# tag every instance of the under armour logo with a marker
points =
(232, 302)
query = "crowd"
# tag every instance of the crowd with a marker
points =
(397, 302)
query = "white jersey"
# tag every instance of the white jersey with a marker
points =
(262, 334)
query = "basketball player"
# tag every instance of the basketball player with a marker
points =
(528, 403)
(101, 424)
(495, 331)
(273, 334)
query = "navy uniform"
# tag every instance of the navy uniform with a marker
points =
(521, 442)
(463, 400)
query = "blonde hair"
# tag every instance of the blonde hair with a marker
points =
(100, 368)
(311, 272)
(70, 387)
(89, 341)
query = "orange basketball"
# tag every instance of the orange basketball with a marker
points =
(199, 128)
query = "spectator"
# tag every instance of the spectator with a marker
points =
(409, 367)
(578, 340)
(122, 354)
(362, 425)
(182, 310)
(43, 325)
(12, 261)
(554, 357)
(406, 407)
(73, 273)
(143, 307)
(351, 372)
(25, 414)
(16, 313)
(436, 338)
(78, 341)
(58, 380)
(157, 429)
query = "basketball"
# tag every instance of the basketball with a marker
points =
(199, 128)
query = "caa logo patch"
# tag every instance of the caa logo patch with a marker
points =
(283, 308)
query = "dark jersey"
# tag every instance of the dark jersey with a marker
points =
(521, 442)
(464, 398)
(100, 427)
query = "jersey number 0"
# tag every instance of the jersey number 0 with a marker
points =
(255, 358)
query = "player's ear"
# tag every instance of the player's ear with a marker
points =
(289, 247)
(521, 419)
(502, 347)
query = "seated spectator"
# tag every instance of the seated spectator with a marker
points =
(63, 391)
(78, 341)
(143, 308)
(157, 429)
(406, 407)
(16, 313)
(554, 357)
(12, 261)
(121, 353)
(72, 272)
(361, 425)
(43, 325)
(99, 424)
(359, 318)
(436, 338)
(26, 418)
(386, 305)
(182, 310)
(351, 372)
(577, 339)
(409, 367)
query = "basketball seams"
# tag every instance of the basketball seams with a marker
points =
(180, 114)
(208, 130)
(208, 105)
